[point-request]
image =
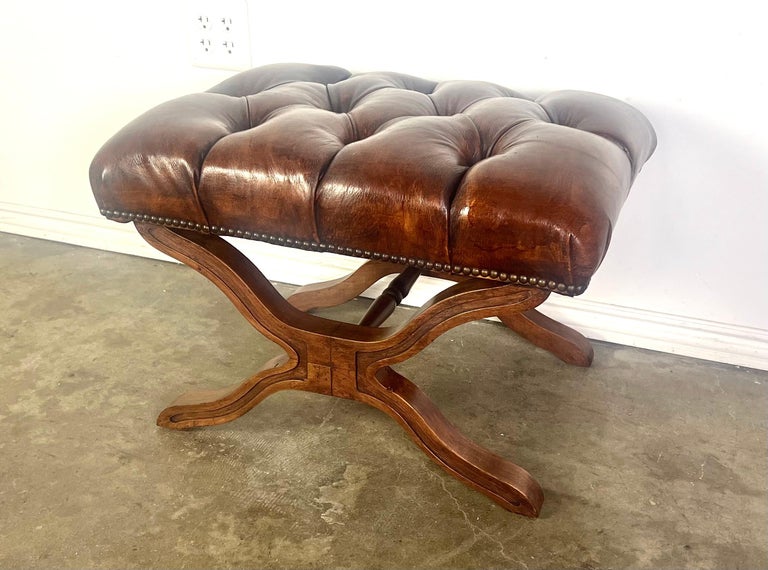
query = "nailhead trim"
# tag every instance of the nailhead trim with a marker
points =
(314, 246)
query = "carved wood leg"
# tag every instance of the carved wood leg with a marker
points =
(211, 407)
(338, 291)
(568, 345)
(503, 481)
(377, 384)
(259, 302)
(351, 361)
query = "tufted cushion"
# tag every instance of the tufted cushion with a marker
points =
(460, 176)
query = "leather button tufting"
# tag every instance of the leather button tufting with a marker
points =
(467, 176)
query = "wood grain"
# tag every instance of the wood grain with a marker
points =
(352, 361)
(568, 345)
(390, 298)
(338, 291)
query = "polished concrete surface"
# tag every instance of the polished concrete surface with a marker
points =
(647, 460)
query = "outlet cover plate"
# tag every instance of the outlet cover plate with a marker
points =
(219, 34)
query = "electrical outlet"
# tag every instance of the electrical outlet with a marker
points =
(219, 34)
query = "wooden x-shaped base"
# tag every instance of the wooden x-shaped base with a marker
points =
(354, 361)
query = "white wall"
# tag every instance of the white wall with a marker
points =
(689, 261)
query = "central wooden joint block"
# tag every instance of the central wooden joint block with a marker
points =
(344, 373)
(332, 367)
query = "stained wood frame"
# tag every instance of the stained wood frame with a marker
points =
(354, 361)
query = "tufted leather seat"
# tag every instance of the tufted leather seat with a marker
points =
(460, 176)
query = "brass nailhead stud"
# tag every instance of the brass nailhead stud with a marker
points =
(314, 246)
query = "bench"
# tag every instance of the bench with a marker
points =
(508, 197)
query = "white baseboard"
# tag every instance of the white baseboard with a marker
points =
(76, 229)
(719, 342)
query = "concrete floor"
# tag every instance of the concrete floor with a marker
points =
(647, 460)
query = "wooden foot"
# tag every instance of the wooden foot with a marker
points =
(352, 361)
(567, 344)
(210, 407)
(506, 483)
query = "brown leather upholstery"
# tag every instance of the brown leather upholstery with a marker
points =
(463, 176)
